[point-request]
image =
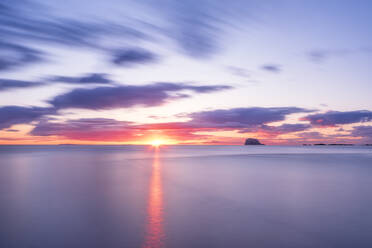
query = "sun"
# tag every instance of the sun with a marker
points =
(156, 143)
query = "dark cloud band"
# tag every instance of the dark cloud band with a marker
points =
(8, 84)
(12, 115)
(333, 118)
(127, 96)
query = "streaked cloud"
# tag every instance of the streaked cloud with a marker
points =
(12, 115)
(243, 117)
(28, 20)
(134, 56)
(126, 96)
(93, 78)
(209, 121)
(267, 130)
(333, 118)
(321, 55)
(101, 129)
(271, 68)
(8, 84)
(15, 56)
(364, 132)
(198, 26)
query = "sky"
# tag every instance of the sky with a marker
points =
(185, 72)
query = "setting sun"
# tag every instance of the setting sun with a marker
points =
(157, 143)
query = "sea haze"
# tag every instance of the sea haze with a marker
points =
(185, 196)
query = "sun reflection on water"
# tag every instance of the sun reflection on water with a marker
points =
(154, 229)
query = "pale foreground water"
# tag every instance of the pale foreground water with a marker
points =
(185, 196)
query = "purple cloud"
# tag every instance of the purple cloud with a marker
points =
(273, 131)
(130, 57)
(243, 117)
(93, 78)
(7, 84)
(285, 128)
(17, 24)
(311, 135)
(238, 71)
(320, 55)
(14, 55)
(365, 132)
(12, 115)
(333, 118)
(12, 130)
(28, 22)
(271, 68)
(127, 96)
(85, 129)
(197, 26)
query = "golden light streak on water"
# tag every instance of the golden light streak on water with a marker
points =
(155, 231)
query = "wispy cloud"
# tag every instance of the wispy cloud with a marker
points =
(364, 132)
(273, 131)
(126, 96)
(333, 118)
(197, 26)
(12, 115)
(27, 22)
(321, 55)
(134, 56)
(14, 56)
(242, 119)
(99, 129)
(8, 84)
(202, 127)
(271, 68)
(93, 78)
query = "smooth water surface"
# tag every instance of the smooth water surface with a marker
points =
(185, 196)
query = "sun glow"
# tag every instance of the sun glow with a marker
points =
(157, 143)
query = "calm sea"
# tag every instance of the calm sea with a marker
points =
(185, 196)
